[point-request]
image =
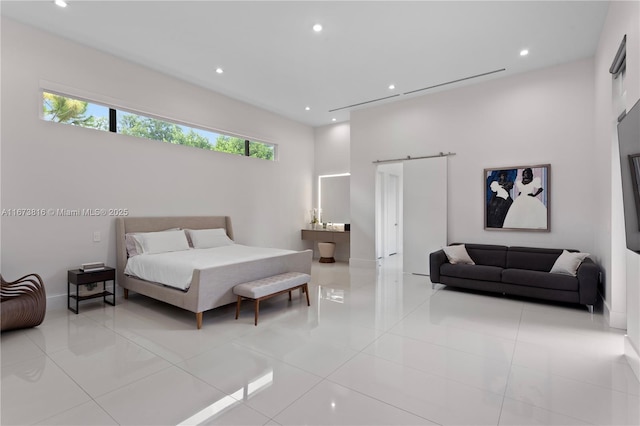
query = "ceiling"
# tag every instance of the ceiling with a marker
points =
(273, 59)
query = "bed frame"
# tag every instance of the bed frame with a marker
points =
(211, 287)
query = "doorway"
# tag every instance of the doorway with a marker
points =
(411, 211)
(393, 215)
(388, 210)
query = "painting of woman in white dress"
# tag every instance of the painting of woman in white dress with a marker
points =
(530, 194)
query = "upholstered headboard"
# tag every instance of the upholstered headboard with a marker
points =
(125, 225)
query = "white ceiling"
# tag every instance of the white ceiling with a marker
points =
(273, 59)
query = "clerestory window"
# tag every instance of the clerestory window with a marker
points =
(78, 112)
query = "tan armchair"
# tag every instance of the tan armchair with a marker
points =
(23, 302)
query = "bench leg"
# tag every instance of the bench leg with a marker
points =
(257, 310)
(303, 288)
(199, 320)
(238, 306)
(306, 291)
(126, 293)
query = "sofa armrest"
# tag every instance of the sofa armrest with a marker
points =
(588, 279)
(436, 259)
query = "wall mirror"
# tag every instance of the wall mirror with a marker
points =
(334, 198)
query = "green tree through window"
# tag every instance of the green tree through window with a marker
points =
(230, 144)
(76, 112)
(261, 150)
(72, 111)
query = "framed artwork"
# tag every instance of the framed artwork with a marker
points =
(517, 198)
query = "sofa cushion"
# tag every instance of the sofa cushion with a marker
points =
(539, 279)
(487, 254)
(474, 272)
(534, 259)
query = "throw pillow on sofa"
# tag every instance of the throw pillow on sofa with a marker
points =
(458, 255)
(568, 263)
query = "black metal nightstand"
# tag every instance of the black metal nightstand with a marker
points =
(81, 278)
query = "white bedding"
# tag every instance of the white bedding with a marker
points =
(176, 268)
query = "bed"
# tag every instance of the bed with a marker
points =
(210, 287)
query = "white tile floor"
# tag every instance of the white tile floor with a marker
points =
(375, 347)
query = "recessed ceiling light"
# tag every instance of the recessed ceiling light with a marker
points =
(524, 52)
(392, 86)
(317, 28)
(307, 108)
(333, 119)
(61, 3)
(219, 70)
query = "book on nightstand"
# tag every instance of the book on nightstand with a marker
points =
(92, 266)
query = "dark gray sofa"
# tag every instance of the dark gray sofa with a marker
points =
(521, 271)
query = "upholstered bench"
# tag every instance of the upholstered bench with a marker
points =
(269, 287)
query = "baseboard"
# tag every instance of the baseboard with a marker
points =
(615, 319)
(56, 302)
(618, 320)
(363, 263)
(633, 356)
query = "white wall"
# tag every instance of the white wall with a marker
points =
(621, 304)
(544, 116)
(632, 342)
(50, 165)
(332, 148)
(332, 152)
(332, 156)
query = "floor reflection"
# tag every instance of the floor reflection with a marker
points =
(217, 408)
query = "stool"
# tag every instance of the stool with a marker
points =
(266, 288)
(326, 252)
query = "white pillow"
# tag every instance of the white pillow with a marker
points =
(162, 242)
(568, 263)
(458, 254)
(133, 244)
(209, 238)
